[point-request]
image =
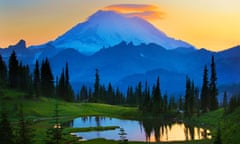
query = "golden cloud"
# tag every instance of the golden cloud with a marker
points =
(147, 12)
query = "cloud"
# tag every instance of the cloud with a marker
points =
(147, 12)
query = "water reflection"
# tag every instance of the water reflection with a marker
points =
(149, 130)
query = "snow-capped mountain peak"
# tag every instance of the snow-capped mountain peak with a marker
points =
(108, 28)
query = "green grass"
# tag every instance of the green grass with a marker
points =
(41, 111)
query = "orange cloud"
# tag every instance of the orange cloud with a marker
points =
(147, 12)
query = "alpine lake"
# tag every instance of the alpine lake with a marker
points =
(147, 130)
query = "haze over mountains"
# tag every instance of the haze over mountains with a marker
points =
(126, 51)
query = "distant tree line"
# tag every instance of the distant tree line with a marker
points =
(40, 83)
(147, 98)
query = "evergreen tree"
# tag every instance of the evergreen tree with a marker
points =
(187, 97)
(24, 78)
(181, 104)
(47, 81)
(3, 72)
(24, 131)
(36, 80)
(69, 94)
(157, 98)
(138, 93)
(213, 92)
(225, 103)
(55, 133)
(205, 91)
(147, 99)
(172, 104)
(96, 87)
(192, 96)
(165, 103)
(13, 70)
(110, 95)
(118, 97)
(61, 86)
(83, 95)
(6, 132)
(131, 100)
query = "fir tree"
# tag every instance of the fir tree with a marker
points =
(24, 131)
(110, 95)
(13, 70)
(6, 132)
(3, 72)
(83, 94)
(213, 92)
(147, 99)
(131, 100)
(55, 133)
(47, 81)
(187, 97)
(36, 80)
(225, 103)
(157, 97)
(96, 87)
(165, 103)
(205, 91)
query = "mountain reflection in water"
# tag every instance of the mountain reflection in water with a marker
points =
(149, 130)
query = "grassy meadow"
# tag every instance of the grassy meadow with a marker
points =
(40, 111)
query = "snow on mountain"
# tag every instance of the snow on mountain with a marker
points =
(108, 28)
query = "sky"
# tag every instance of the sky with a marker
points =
(210, 24)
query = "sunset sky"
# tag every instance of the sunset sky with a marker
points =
(212, 24)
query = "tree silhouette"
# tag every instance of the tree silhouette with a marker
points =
(3, 72)
(213, 92)
(13, 70)
(55, 133)
(205, 90)
(6, 132)
(36, 79)
(157, 97)
(24, 131)
(47, 81)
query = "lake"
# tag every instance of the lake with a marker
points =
(150, 130)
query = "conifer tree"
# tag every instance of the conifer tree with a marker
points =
(83, 94)
(96, 87)
(187, 97)
(55, 133)
(205, 91)
(3, 72)
(6, 132)
(147, 99)
(47, 81)
(110, 95)
(165, 103)
(213, 91)
(225, 103)
(181, 104)
(61, 86)
(36, 80)
(24, 131)
(157, 97)
(13, 70)
(68, 88)
(130, 96)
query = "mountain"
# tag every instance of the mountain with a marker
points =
(125, 51)
(108, 28)
(126, 64)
